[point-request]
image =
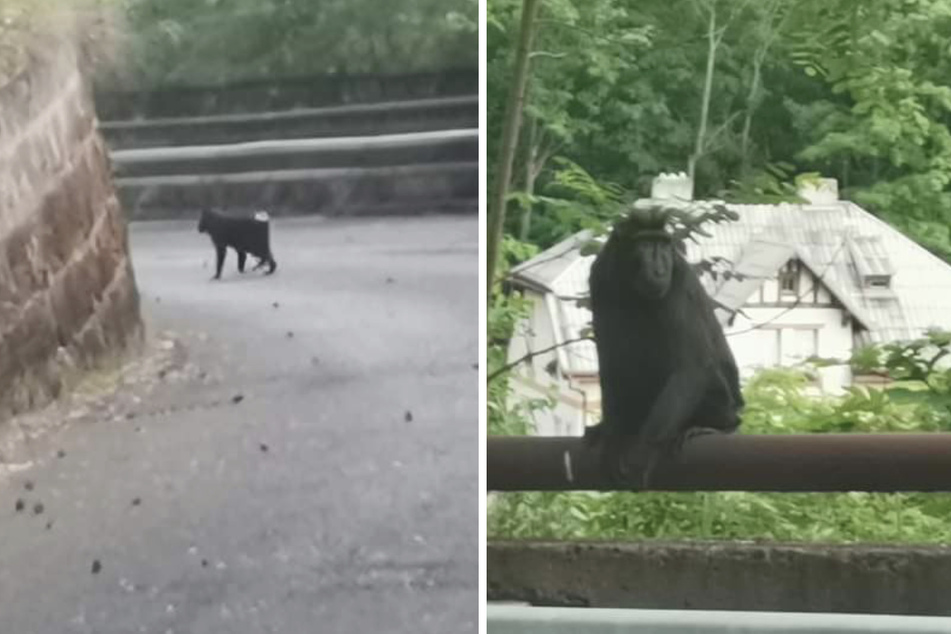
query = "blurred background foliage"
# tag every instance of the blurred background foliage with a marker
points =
(206, 42)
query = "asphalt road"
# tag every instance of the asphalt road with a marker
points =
(340, 495)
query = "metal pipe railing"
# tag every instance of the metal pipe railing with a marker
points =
(738, 462)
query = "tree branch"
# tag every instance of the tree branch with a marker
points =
(535, 54)
(720, 130)
(531, 355)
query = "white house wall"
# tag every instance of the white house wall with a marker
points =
(784, 339)
(532, 380)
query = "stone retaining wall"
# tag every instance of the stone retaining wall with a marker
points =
(68, 298)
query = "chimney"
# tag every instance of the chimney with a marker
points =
(819, 191)
(672, 187)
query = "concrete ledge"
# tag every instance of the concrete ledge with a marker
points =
(292, 154)
(396, 117)
(405, 190)
(859, 579)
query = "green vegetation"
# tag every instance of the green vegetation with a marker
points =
(743, 93)
(749, 97)
(218, 41)
(200, 42)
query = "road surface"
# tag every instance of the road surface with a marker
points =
(338, 495)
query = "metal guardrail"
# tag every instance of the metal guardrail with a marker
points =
(737, 462)
(283, 147)
(515, 619)
(283, 116)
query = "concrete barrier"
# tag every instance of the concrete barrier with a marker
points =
(858, 579)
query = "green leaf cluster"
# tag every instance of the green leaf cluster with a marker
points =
(217, 41)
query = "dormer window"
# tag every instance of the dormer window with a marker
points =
(872, 266)
(789, 278)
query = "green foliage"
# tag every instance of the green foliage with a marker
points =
(767, 186)
(855, 91)
(507, 416)
(800, 517)
(212, 41)
(573, 200)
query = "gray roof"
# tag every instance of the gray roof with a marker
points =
(761, 258)
(840, 242)
(546, 267)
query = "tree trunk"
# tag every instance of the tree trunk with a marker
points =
(712, 42)
(750, 108)
(531, 159)
(513, 117)
(759, 58)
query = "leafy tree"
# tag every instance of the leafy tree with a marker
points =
(211, 41)
(883, 130)
(511, 123)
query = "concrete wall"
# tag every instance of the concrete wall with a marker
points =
(68, 299)
(723, 576)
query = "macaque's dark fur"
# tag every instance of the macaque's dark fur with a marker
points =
(666, 369)
(244, 235)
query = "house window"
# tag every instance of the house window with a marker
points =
(789, 279)
(799, 344)
(870, 262)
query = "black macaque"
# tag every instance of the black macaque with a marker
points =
(666, 370)
(244, 235)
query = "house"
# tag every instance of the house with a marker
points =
(819, 279)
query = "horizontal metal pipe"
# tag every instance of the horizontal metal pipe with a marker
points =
(738, 462)
(284, 147)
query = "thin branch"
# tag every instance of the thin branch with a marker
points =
(592, 34)
(535, 54)
(720, 130)
(531, 355)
